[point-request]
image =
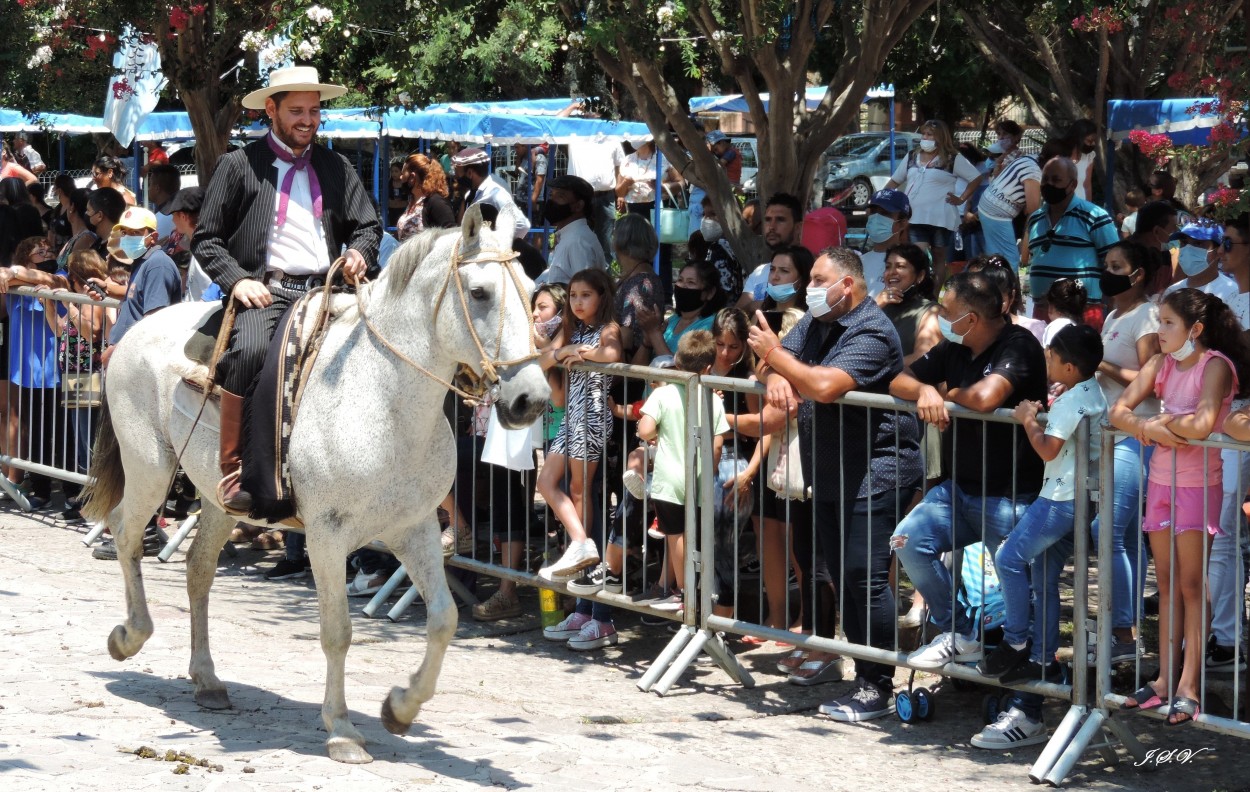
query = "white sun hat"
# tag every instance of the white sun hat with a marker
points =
(295, 78)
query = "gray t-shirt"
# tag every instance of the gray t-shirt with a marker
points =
(154, 283)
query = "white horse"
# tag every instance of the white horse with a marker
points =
(371, 454)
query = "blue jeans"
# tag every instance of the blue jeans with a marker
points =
(1036, 550)
(1000, 238)
(1130, 463)
(947, 519)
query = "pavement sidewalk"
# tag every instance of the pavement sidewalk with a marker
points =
(512, 710)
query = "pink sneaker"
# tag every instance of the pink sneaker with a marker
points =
(571, 626)
(593, 635)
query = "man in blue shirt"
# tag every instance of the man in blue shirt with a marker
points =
(1068, 238)
(154, 278)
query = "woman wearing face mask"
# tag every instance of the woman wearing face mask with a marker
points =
(1014, 190)
(787, 285)
(929, 177)
(697, 297)
(720, 253)
(1082, 138)
(428, 206)
(1130, 338)
(1199, 258)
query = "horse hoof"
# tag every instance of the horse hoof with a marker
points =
(116, 638)
(341, 749)
(393, 725)
(213, 699)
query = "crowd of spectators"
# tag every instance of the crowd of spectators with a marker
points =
(1124, 314)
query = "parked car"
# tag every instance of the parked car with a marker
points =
(858, 165)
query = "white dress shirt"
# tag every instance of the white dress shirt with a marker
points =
(298, 246)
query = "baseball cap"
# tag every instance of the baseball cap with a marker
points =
(188, 199)
(1202, 230)
(716, 136)
(472, 156)
(892, 201)
(136, 218)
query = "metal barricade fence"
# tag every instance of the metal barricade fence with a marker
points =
(510, 543)
(52, 347)
(875, 648)
(1222, 704)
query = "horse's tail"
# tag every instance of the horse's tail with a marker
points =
(107, 476)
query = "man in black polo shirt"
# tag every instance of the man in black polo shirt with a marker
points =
(984, 363)
(870, 459)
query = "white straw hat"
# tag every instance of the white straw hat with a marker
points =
(295, 78)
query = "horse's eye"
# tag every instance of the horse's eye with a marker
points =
(478, 293)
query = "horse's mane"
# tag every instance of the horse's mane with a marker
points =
(411, 253)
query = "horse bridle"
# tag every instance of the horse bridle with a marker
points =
(490, 377)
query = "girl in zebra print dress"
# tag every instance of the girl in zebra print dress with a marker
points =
(593, 336)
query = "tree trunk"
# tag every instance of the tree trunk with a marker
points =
(211, 123)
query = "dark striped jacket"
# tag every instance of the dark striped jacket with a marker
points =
(239, 210)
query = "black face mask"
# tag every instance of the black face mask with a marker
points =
(1087, 149)
(465, 184)
(1054, 195)
(687, 300)
(557, 212)
(48, 266)
(1112, 284)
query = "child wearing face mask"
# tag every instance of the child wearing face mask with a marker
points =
(1203, 363)
(1198, 258)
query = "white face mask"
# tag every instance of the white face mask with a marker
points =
(710, 229)
(997, 147)
(818, 301)
(928, 145)
(1186, 349)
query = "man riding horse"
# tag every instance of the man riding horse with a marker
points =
(275, 215)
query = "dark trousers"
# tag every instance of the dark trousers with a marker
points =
(855, 536)
(249, 342)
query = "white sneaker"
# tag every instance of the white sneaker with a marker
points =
(912, 619)
(566, 629)
(634, 483)
(593, 635)
(949, 647)
(577, 557)
(1013, 729)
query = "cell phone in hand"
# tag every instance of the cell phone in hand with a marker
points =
(97, 289)
(774, 320)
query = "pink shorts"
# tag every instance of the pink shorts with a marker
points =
(1189, 508)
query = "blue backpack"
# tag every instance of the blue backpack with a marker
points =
(981, 592)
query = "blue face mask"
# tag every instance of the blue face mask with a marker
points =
(133, 246)
(781, 292)
(948, 332)
(1193, 260)
(879, 228)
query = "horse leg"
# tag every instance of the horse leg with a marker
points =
(421, 554)
(127, 522)
(345, 743)
(211, 533)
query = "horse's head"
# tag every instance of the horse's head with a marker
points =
(483, 320)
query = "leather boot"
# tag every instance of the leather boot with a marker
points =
(234, 499)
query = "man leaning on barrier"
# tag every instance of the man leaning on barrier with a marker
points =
(984, 362)
(847, 344)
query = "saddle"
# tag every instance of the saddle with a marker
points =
(273, 403)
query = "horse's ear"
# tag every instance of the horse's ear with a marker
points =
(471, 230)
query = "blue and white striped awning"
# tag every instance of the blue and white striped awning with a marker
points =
(1179, 119)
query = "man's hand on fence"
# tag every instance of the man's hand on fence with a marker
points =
(931, 407)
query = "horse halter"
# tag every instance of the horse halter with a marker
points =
(490, 377)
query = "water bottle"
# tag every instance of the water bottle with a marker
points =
(549, 605)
